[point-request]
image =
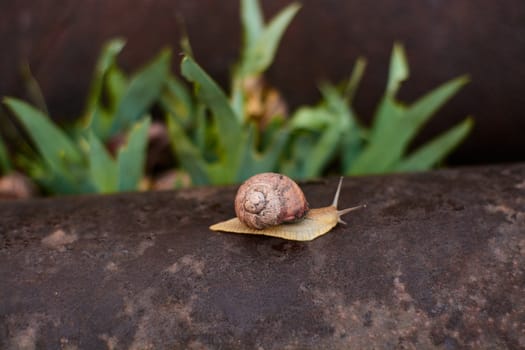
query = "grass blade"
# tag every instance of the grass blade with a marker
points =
(436, 150)
(318, 133)
(187, 154)
(355, 79)
(300, 149)
(258, 56)
(105, 61)
(54, 146)
(398, 71)
(103, 171)
(34, 92)
(377, 155)
(252, 21)
(177, 100)
(132, 157)
(254, 162)
(390, 138)
(5, 164)
(143, 90)
(228, 123)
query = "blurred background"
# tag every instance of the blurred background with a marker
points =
(443, 39)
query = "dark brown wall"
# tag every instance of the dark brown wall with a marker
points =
(443, 39)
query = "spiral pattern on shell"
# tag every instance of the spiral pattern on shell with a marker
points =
(269, 199)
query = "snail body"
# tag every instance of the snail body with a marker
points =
(273, 205)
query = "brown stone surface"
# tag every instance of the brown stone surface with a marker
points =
(436, 260)
(483, 38)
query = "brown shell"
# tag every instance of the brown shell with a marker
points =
(269, 199)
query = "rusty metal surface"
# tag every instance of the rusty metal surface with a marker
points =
(437, 260)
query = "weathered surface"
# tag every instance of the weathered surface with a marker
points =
(436, 260)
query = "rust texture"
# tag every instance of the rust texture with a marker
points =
(436, 260)
(483, 38)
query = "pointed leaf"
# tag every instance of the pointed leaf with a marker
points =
(105, 61)
(5, 164)
(398, 71)
(177, 100)
(34, 92)
(254, 162)
(252, 21)
(310, 118)
(355, 79)
(187, 154)
(325, 125)
(202, 127)
(131, 158)
(300, 149)
(344, 120)
(56, 183)
(103, 170)
(115, 88)
(425, 107)
(389, 108)
(351, 147)
(390, 139)
(54, 146)
(259, 56)
(323, 151)
(228, 123)
(143, 90)
(436, 150)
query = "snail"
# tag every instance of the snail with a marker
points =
(274, 205)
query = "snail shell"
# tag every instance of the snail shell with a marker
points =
(269, 199)
(294, 222)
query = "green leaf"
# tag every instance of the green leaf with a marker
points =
(201, 128)
(390, 138)
(188, 155)
(389, 109)
(33, 89)
(228, 123)
(398, 71)
(103, 114)
(300, 149)
(54, 146)
(351, 147)
(5, 164)
(310, 118)
(377, 156)
(350, 132)
(319, 134)
(252, 21)
(259, 55)
(56, 183)
(436, 150)
(105, 62)
(103, 171)
(143, 90)
(323, 151)
(131, 158)
(116, 86)
(177, 100)
(254, 162)
(355, 79)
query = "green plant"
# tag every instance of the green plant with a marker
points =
(238, 149)
(5, 164)
(396, 124)
(220, 138)
(76, 159)
(230, 146)
(320, 132)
